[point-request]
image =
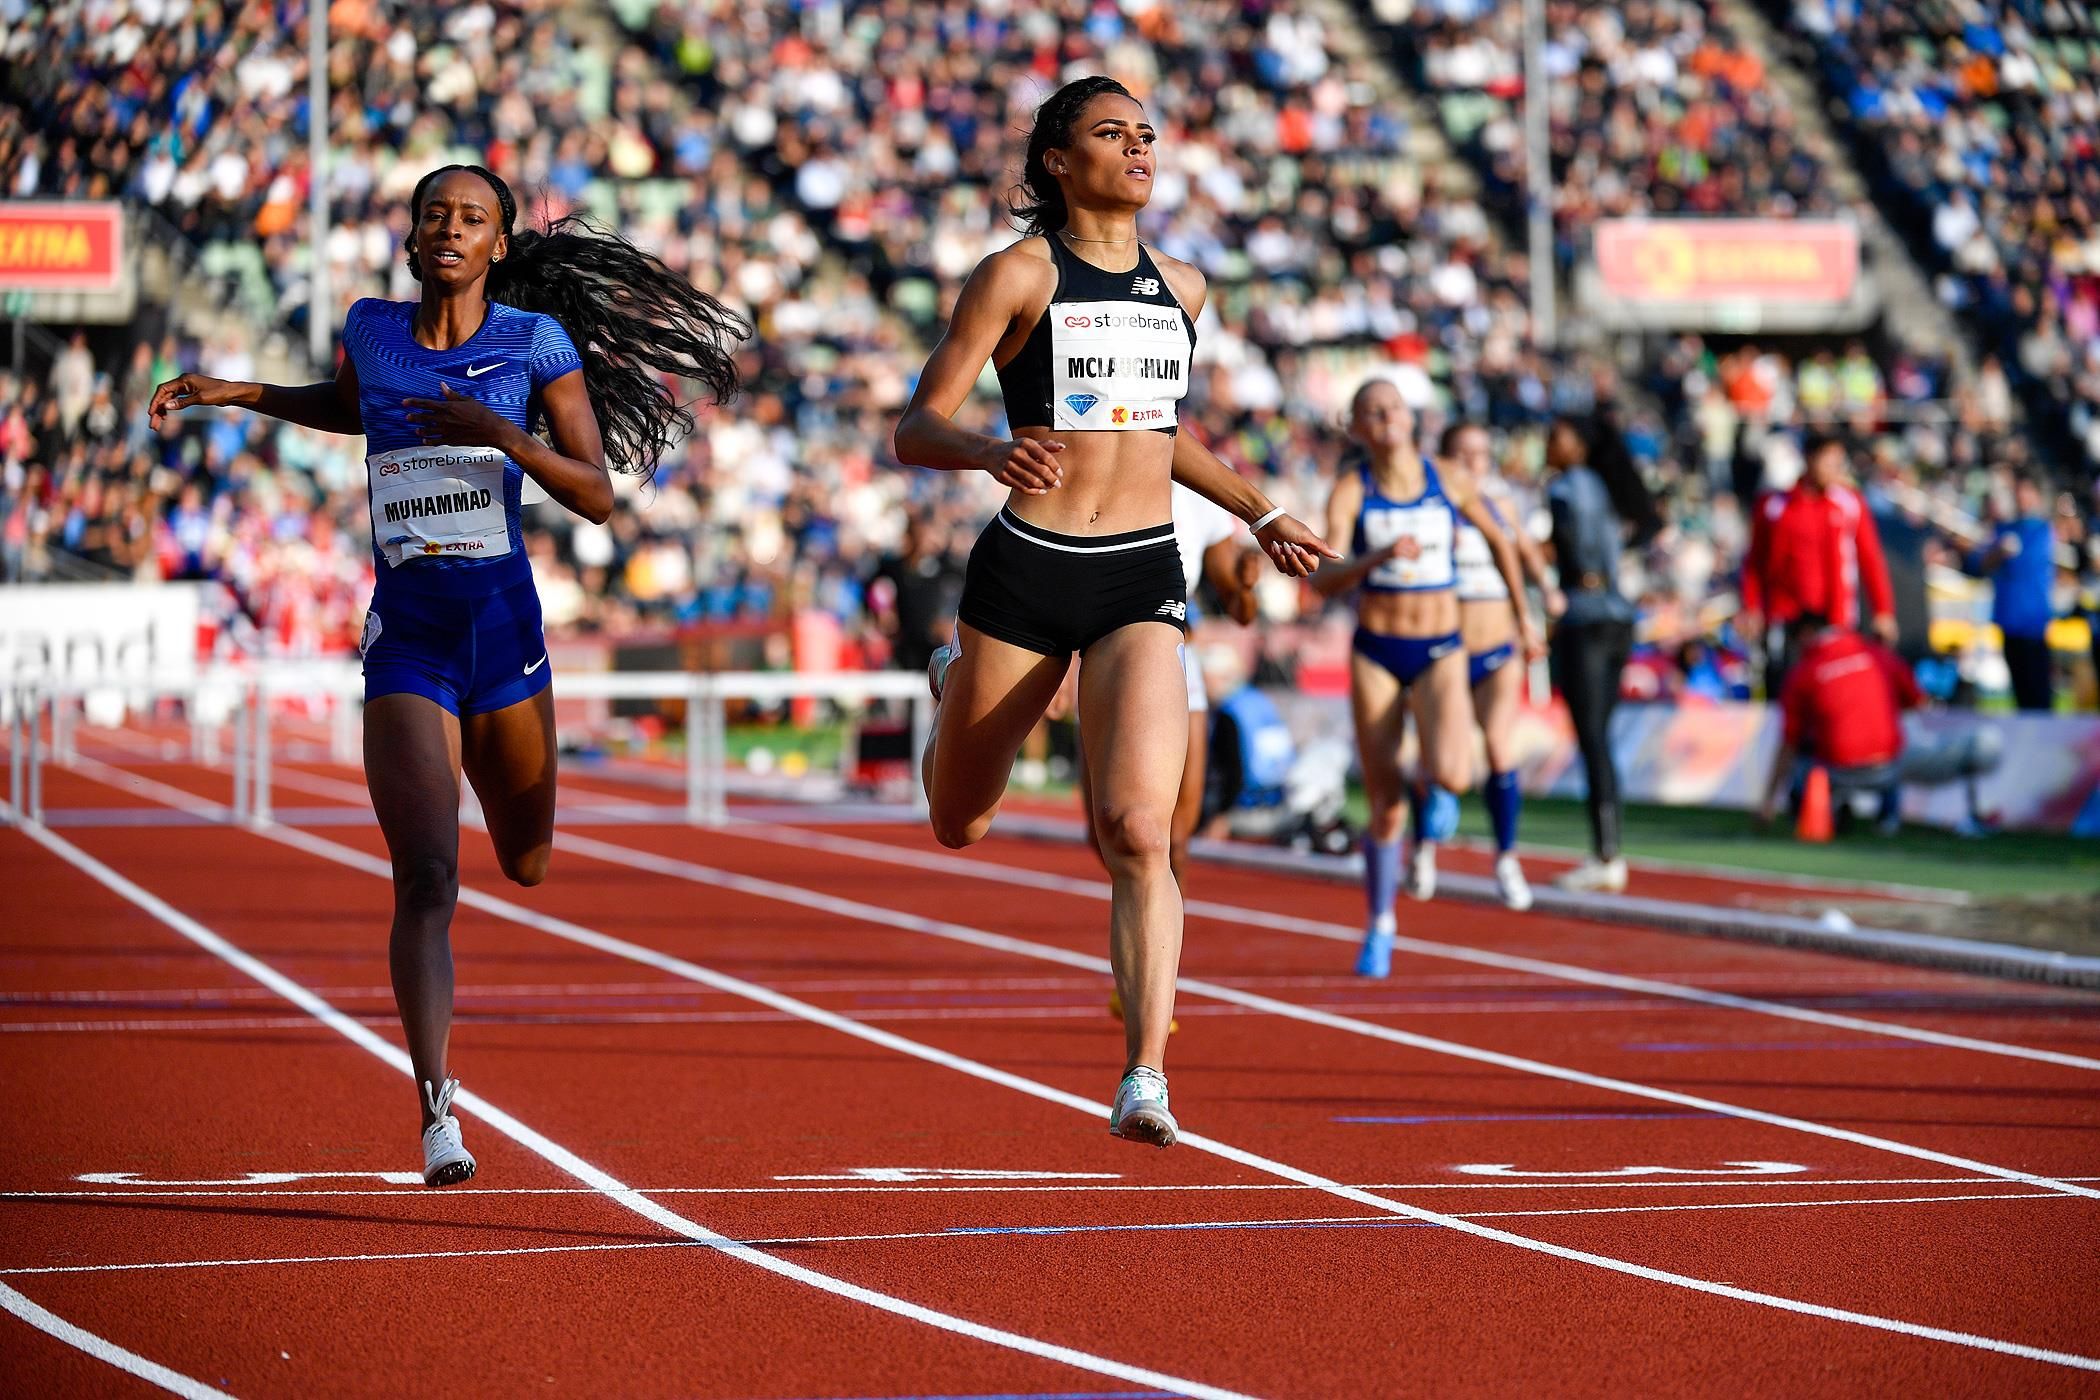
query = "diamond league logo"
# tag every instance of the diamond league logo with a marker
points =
(1082, 404)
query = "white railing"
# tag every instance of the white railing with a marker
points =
(45, 715)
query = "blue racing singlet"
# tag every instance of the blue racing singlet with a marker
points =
(445, 519)
(1428, 520)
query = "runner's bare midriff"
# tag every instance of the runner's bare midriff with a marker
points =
(1408, 614)
(1113, 483)
(1486, 625)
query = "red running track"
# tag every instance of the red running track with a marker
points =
(809, 1040)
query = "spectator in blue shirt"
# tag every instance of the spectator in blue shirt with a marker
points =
(2021, 564)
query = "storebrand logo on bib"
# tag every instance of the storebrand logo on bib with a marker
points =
(1145, 287)
(1082, 403)
(394, 465)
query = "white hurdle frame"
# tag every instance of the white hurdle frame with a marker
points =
(706, 727)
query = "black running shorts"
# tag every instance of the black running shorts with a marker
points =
(1057, 594)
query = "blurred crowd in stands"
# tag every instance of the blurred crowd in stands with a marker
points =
(835, 168)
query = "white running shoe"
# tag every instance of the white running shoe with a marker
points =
(1421, 871)
(1140, 1113)
(446, 1161)
(1510, 882)
(1603, 876)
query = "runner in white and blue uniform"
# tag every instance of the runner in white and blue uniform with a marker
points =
(1402, 520)
(1487, 623)
(448, 392)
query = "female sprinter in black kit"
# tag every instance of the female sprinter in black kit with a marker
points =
(1091, 334)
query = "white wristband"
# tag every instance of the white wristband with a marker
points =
(1257, 526)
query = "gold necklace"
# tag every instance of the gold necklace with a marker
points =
(1075, 238)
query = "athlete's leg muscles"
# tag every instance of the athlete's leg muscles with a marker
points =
(1442, 704)
(509, 757)
(1188, 805)
(1380, 716)
(992, 697)
(412, 748)
(1133, 706)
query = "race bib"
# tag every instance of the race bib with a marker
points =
(1429, 525)
(444, 501)
(1116, 366)
(1478, 578)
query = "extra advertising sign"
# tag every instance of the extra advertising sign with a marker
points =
(61, 246)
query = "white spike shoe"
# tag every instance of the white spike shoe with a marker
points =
(446, 1161)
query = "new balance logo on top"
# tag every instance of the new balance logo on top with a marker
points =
(1145, 287)
(1178, 611)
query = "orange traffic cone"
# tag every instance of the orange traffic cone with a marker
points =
(1814, 824)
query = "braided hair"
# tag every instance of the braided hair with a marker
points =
(633, 321)
(1038, 205)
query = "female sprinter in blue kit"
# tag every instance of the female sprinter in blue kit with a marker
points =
(1402, 520)
(447, 391)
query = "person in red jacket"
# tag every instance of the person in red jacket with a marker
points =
(1843, 703)
(1843, 706)
(1813, 549)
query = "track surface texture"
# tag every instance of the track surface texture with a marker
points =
(790, 1109)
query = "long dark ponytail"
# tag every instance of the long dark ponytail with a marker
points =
(1038, 204)
(632, 318)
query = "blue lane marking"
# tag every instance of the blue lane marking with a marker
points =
(1194, 1225)
(1693, 1047)
(1528, 1118)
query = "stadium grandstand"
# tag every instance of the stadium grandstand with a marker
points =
(765, 612)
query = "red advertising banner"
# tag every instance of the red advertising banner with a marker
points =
(69, 246)
(1811, 262)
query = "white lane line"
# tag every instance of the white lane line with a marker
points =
(972, 1233)
(105, 1350)
(1053, 1188)
(612, 1016)
(980, 938)
(986, 869)
(1254, 981)
(618, 947)
(570, 1163)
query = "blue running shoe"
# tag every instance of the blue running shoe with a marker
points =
(1375, 958)
(1440, 817)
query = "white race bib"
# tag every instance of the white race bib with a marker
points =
(439, 501)
(1429, 526)
(1116, 366)
(1479, 581)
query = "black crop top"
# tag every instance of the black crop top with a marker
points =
(1111, 353)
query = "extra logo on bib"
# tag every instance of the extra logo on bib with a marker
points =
(1117, 364)
(439, 501)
